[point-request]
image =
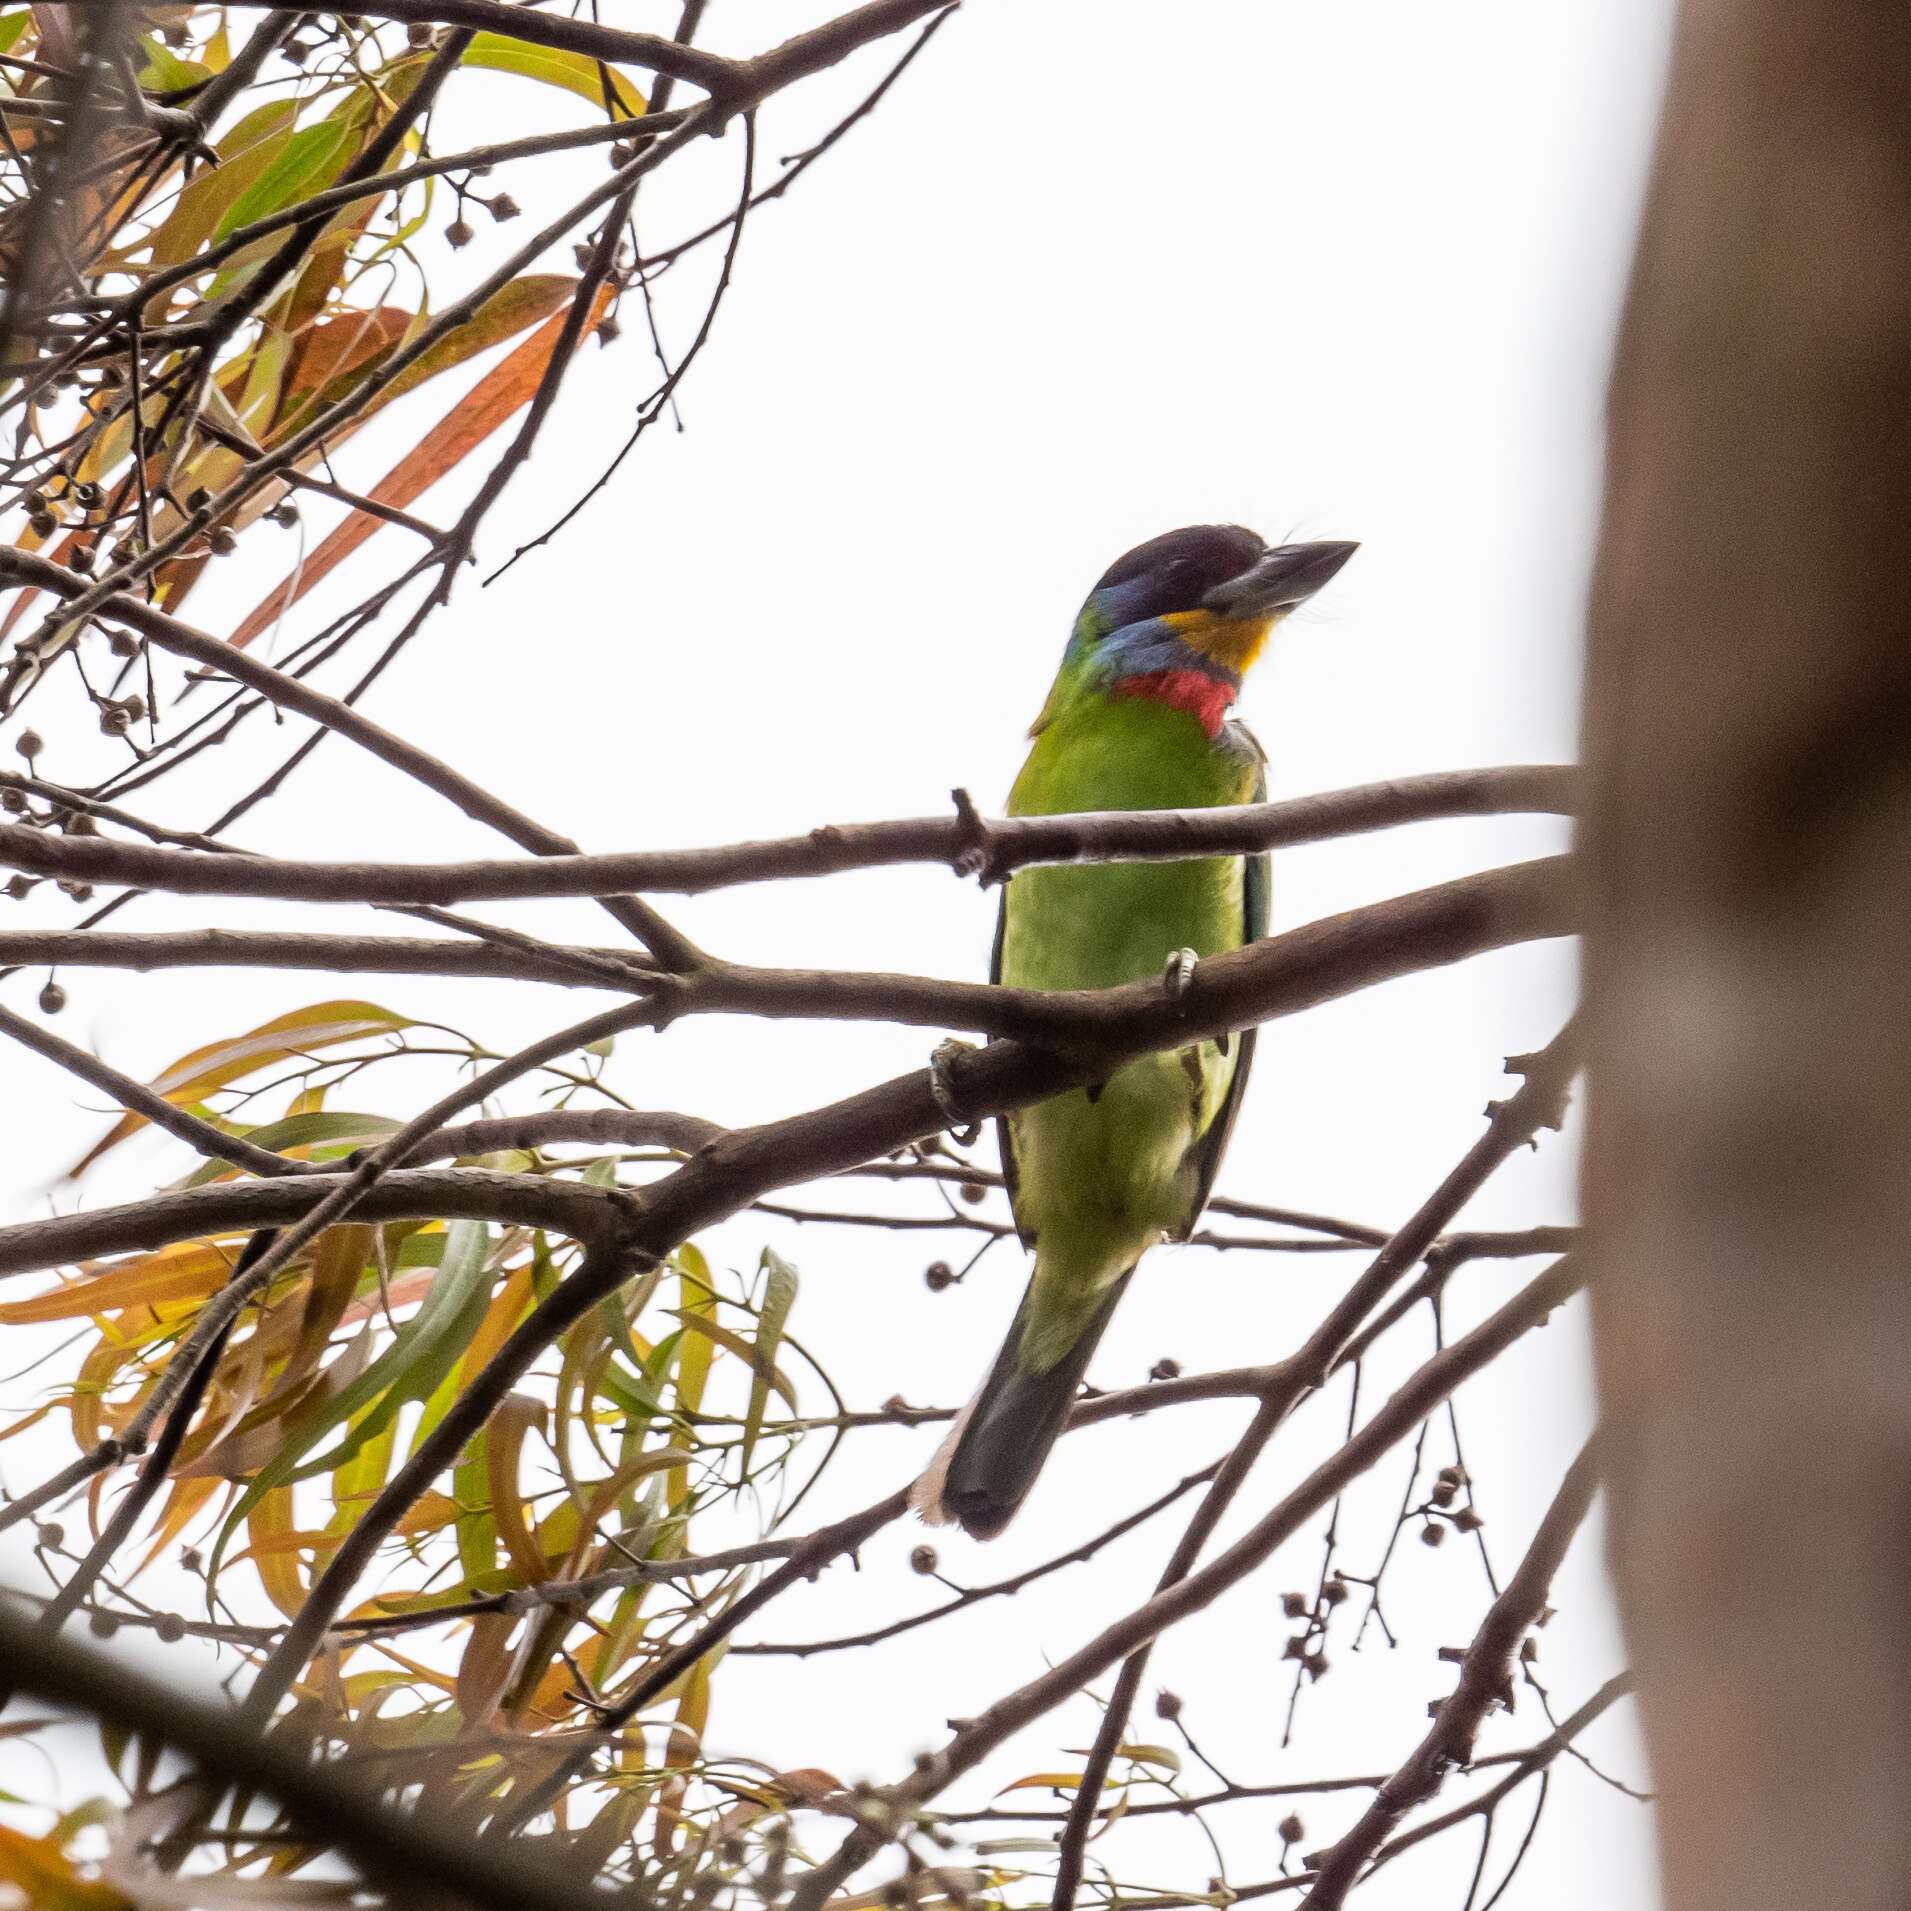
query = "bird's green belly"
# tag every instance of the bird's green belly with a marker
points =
(1100, 1180)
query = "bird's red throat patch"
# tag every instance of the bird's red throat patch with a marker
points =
(1205, 698)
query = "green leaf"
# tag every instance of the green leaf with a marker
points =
(312, 158)
(245, 153)
(779, 1296)
(301, 1131)
(193, 1077)
(409, 1369)
(165, 71)
(553, 67)
(510, 310)
(12, 25)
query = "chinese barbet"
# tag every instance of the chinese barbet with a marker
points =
(1137, 720)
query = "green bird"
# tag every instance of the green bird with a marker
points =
(1137, 719)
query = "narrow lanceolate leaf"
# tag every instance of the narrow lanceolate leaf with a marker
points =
(336, 1266)
(504, 1453)
(575, 73)
(734, 1342)
(504, 390)
(779, 1296)
(409, 1369)
(174, 1274)
(44, 1877)
(269, 1517)
(307, 163)
(309, 1137)
(245, 154)
(193, 1077)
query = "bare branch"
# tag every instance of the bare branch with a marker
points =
(472, 1194)
(1486, 1680)
(733, 82)
(1008, 1715)
(335, 955)
(1540, 1102)
(209, 1141)
(1018, 842)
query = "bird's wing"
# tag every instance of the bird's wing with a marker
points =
(1003, 1140)
(1213, 1144)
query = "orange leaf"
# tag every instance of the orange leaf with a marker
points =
(176, 1274)
(328, 348)
(505, 389)
(193, 1077)
(504, 1443)
(187, 1497)
(38, 1870)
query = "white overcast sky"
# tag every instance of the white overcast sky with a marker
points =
(1094, 270)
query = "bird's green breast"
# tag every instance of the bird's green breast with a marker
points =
(1100, 1178)
(1095, 925)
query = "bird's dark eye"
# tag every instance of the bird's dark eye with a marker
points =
(1174, 571)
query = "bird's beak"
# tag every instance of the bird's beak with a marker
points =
(1285, 576)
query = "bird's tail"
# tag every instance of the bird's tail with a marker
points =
(983, 1471)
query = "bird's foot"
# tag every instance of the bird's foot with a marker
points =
(1178, 976)
(942, 1091)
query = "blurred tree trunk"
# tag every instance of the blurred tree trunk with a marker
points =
(1749, 966)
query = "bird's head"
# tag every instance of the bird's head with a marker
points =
(1198, 603)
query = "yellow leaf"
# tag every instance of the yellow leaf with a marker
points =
(174, 1274)
(185, 1500)
(38, 1869)
(277, 1565)
(193, 1077)
(574, 72)
(736, 1344)
(504, 1445)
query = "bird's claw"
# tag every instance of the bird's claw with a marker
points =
(1178, 976)
(942, 1091)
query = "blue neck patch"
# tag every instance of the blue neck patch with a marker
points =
(1151, 648)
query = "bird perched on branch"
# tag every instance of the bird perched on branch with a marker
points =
(1137, 719)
